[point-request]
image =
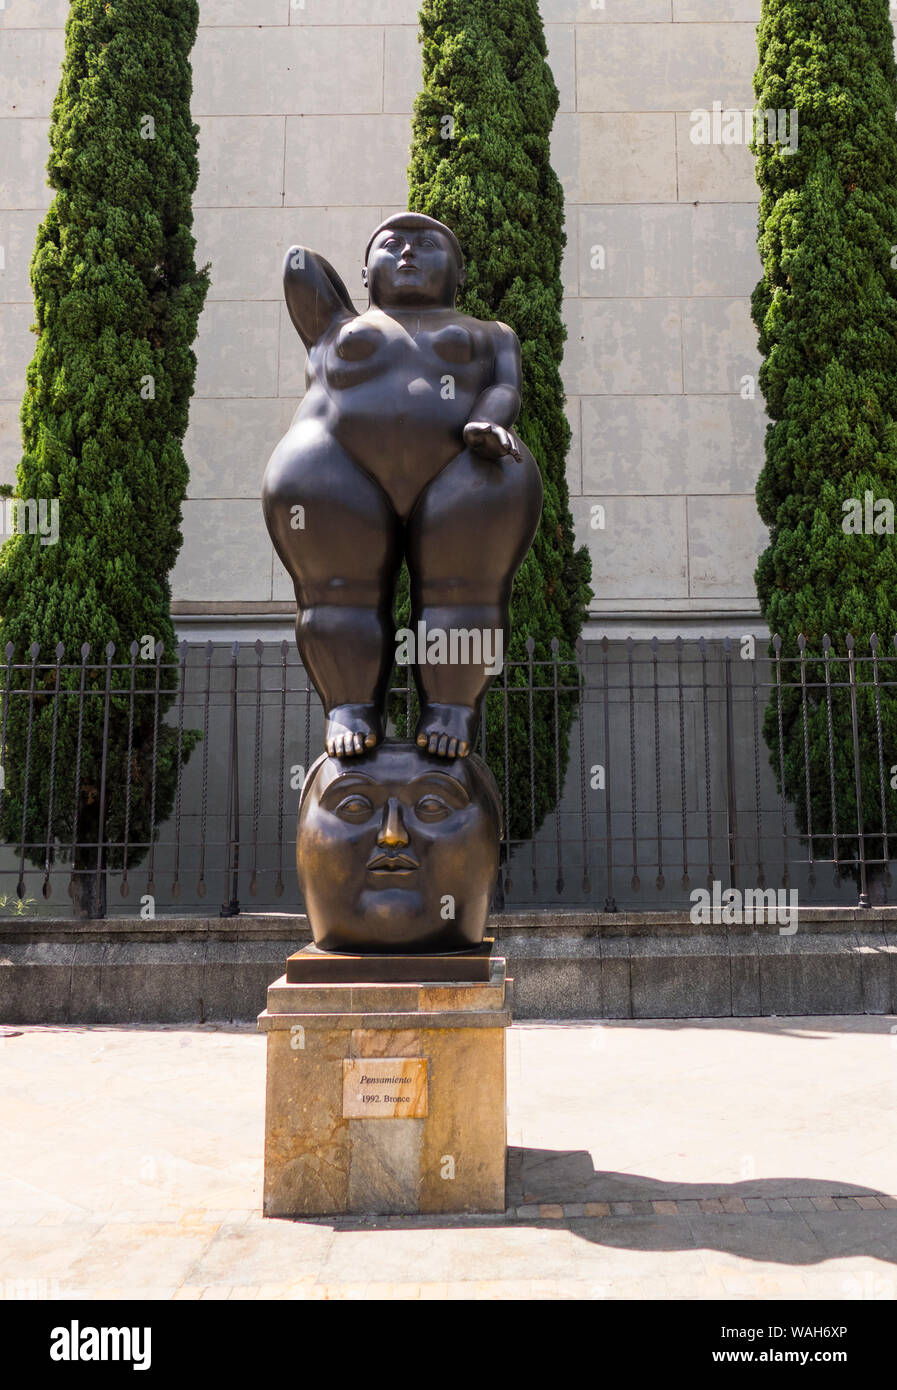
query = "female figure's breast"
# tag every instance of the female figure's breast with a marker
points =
(452, 344)
(358, 352)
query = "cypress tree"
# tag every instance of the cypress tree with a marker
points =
(826, 309)
(117, 299)
(480, 162)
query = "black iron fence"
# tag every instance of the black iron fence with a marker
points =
(666, 784)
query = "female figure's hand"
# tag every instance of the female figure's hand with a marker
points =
(490, 441)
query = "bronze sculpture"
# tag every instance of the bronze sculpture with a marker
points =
(402, 448)
(399, 849)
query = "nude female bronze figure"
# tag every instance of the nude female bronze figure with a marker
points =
(402, 447)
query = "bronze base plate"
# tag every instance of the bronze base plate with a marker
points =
(311, 966)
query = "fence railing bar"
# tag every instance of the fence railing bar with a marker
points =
(683, 783)
(281, 763)
(857, 775)
(48, 852)
(559, 882)
(758, 813)
(101, 814)
(658, 767)
(176, 880)
(708, 790)
(830, 735)
(85, 652)
(635, 881)
(873, 642)
(150, 872)
(256, 768)
(132, 685)
(35, 650)
(204, 804)
(232, 863)
(731, 804)
(777, 650)
(530, 648)
(584, 773)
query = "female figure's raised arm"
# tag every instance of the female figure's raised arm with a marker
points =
(316, 296)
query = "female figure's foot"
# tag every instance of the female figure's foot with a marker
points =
(352, 729)
(446, 730)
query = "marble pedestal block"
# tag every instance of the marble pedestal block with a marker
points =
(386, 1097)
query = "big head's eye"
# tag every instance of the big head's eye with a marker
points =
(355, 808)
(432, 808)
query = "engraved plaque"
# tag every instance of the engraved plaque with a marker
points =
(384, 1088)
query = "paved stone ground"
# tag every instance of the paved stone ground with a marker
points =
(748, 1158)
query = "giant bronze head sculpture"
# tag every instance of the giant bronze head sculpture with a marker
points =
(397, 851)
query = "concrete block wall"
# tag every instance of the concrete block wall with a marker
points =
(563, 966)
(304, 114)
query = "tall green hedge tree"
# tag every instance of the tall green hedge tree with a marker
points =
(826, 309)
(480, 162)
(117, 296)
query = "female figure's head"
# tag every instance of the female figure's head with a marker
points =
(413, 261)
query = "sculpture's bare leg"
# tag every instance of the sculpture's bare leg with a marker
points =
(467, 537)
(341, 542)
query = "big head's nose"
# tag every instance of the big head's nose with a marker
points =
(393, 834)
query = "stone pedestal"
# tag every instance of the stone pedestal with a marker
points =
(386, 1097)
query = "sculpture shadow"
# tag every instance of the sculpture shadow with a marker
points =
(539, 1177)
(567, 1178)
